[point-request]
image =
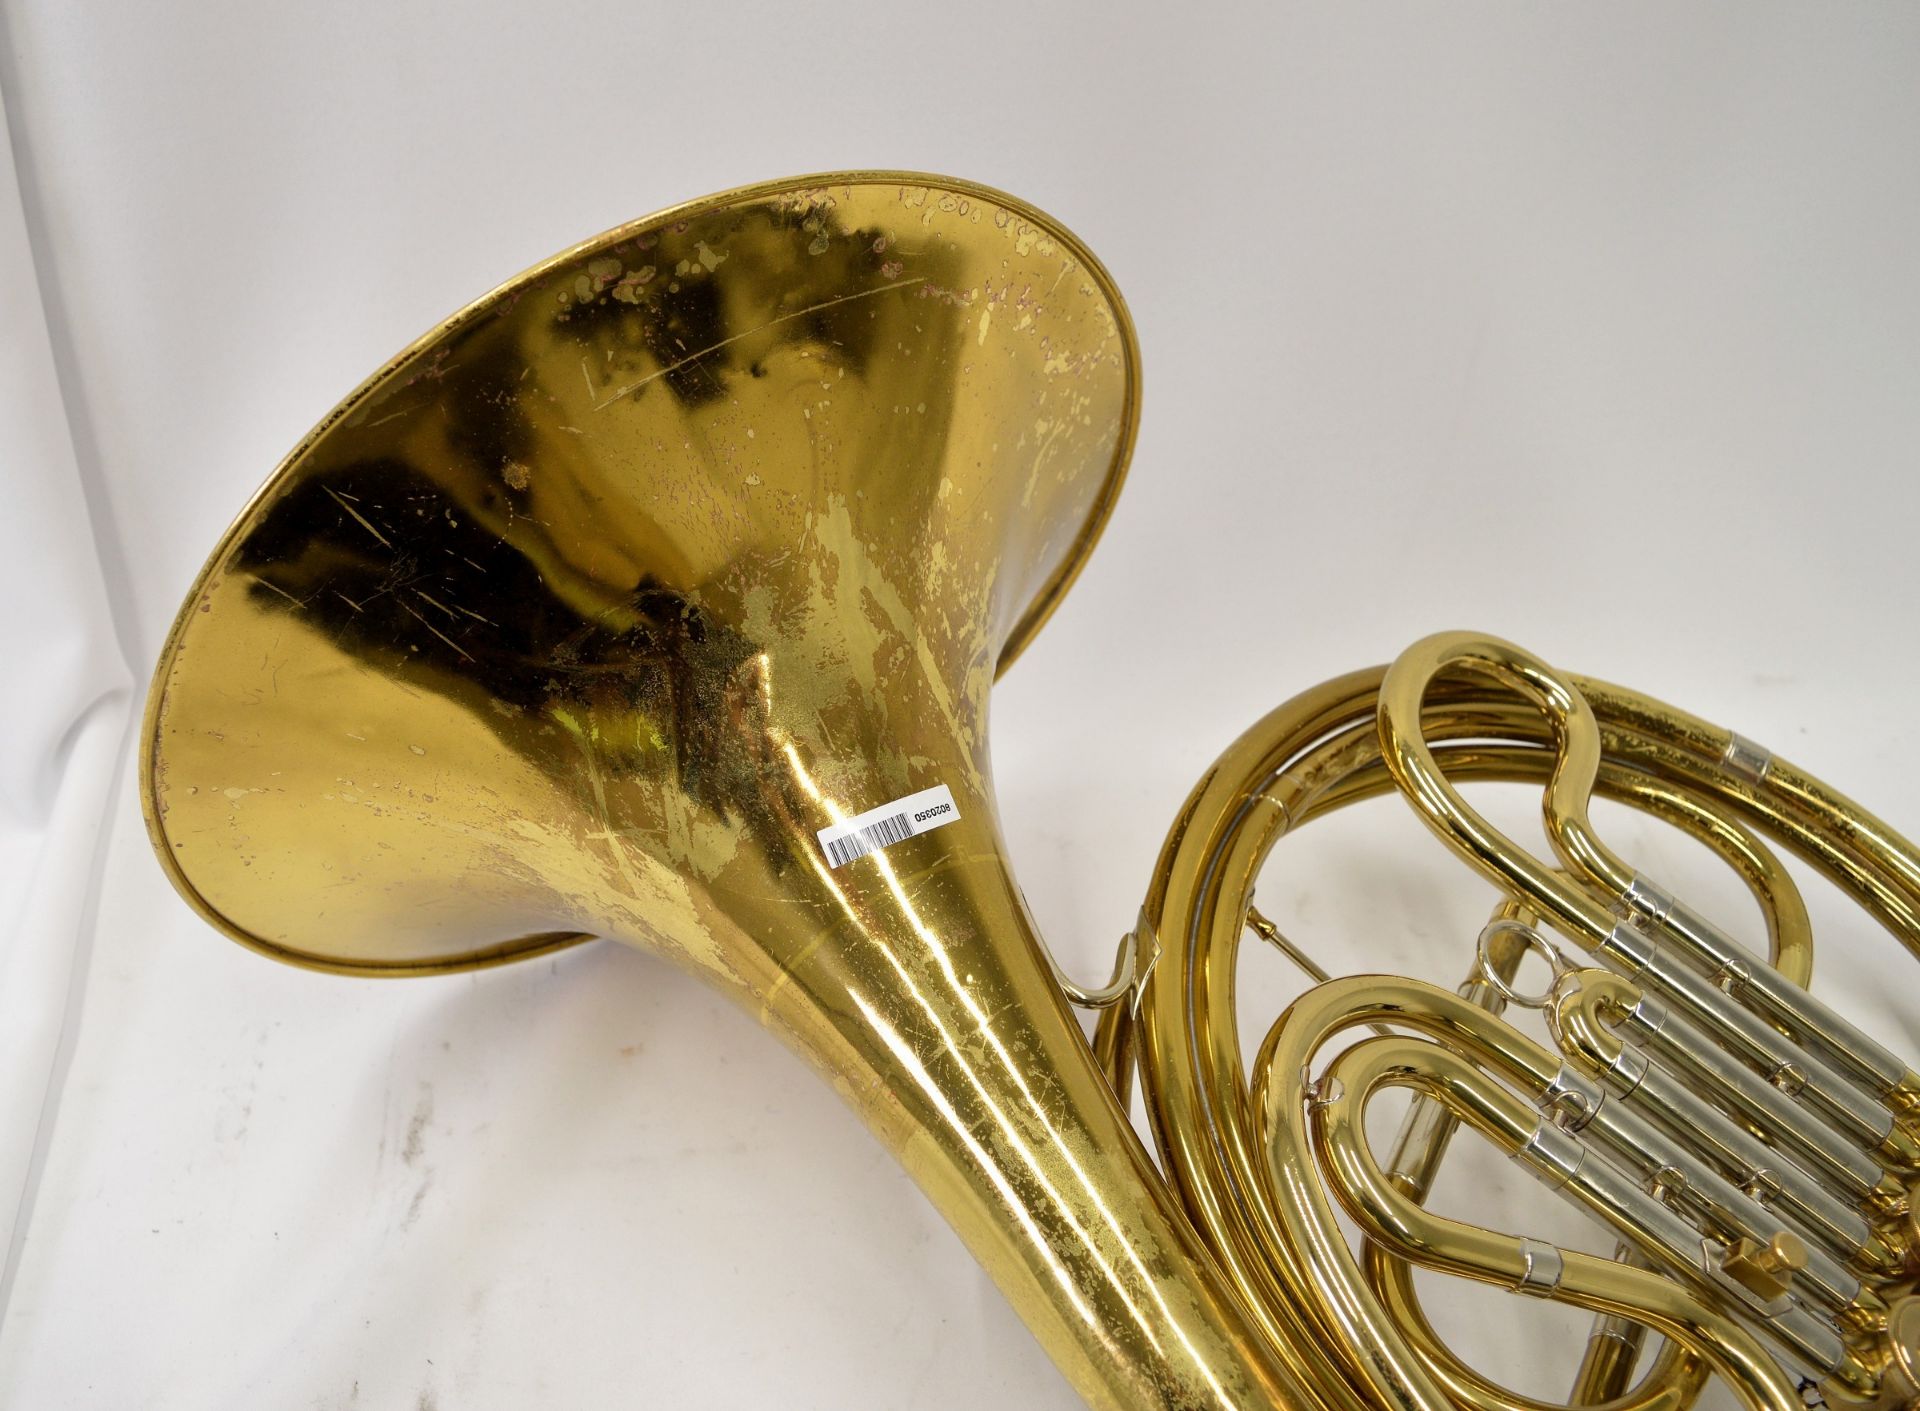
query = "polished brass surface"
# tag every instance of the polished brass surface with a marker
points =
(585, 616)
(1269, 1153)
(587, 612)
(473, 672)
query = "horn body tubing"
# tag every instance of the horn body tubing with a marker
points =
(627, 604)
(1266, 1153)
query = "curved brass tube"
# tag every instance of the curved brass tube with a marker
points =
(1589, 915)
(1571, 782)
(1321, 751)
(1674, 1379)
(1416, 1234)
(1307, 1225)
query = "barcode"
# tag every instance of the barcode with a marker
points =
(890, 823)
(860, 842)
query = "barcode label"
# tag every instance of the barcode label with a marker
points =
(888, 824)
(841, 851)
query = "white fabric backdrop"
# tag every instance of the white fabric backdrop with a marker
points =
(64, 716)
(1596, 326)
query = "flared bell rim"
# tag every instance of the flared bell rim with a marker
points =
(1045, 600)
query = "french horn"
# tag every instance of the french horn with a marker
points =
(657, 595)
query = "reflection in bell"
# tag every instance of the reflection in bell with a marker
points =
(584, 616)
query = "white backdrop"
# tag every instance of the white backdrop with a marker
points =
(1594, 326)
